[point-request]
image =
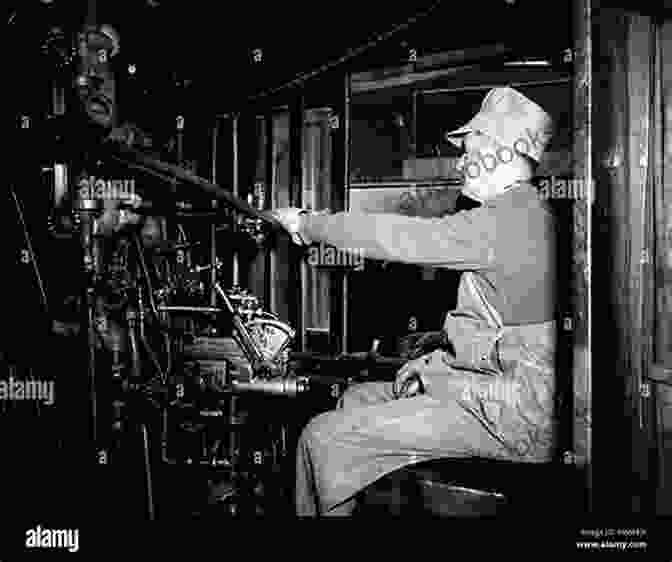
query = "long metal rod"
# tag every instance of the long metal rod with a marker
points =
(645, 318)
(414, 120)
(213, 227)
(179, 173)
(648, 284)
(481, 87)
(582, 259)
(198, 309)
(352, 54)
(236, 191)
(589, 218)
(270, 286)
(407, 183)
(346, 185)
(148, 473)
(297, 149)
(31, 252)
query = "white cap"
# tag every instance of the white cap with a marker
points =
(513, 120)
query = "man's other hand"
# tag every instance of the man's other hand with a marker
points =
(409, 380)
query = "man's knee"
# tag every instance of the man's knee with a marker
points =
(364, 394)
(320, 427)
(351, 396)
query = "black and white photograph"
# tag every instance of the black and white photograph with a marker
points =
(271, 263)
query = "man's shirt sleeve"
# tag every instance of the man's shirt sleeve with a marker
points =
(461, 241)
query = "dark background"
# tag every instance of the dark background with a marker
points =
(202, 51)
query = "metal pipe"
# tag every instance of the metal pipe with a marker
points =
(352, 54)
(567, 80)
(233, 445)
(296, 158)
(148, 279)
(91, 344)
(236, 192)
(90, 271)
(136, 366)
(346, 186)
(448, 182)
(364, 358)
(198, 309)
(414, 116)
(277, 386)
(32, 257)
(213, 227)
(643, 305)
(153, 165)
(217, 463)
(164, 435)
(269, 196)
(590, 197)
(148, 473)
(582, 344)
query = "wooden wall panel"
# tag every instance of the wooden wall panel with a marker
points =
(640, 111)
(664, 214)
(664, 280)
(611, 241)
(628, 149)
(581, 235)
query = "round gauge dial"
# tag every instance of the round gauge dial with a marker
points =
(270, 336)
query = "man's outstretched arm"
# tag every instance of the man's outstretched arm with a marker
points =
(461, 241)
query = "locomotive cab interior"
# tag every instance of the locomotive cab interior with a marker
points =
(190, 341)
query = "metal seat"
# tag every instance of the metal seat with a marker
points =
(479, 487)
(469, 488)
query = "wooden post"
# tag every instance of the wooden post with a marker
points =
(612, 239)
(664, 222)
(339, 314)
(213, 227)
(664, 284)
(582, 259)
(296, 149)
(628, 147)
(235, 186)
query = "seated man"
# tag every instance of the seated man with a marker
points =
(493, 394)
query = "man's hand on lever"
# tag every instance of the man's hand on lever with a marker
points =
(291, 219)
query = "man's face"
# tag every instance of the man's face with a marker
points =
(476, 146)
(488, 167)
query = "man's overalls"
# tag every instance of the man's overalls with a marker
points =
(496, 395)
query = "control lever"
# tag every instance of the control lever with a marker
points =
(371, 355)
(201, 268)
